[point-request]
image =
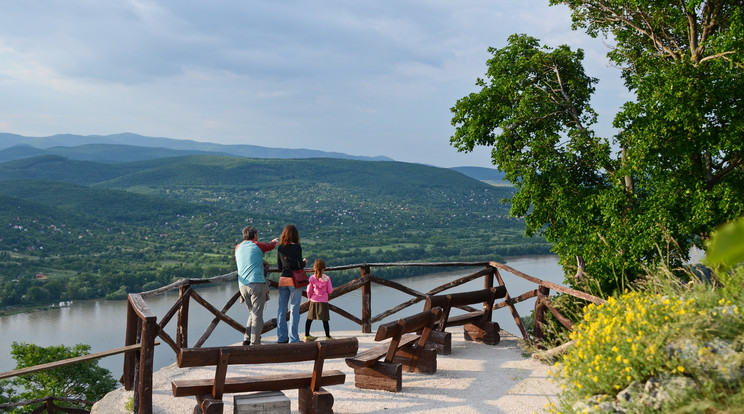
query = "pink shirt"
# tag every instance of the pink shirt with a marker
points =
(319, 289)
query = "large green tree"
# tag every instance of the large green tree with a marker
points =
(673, 172)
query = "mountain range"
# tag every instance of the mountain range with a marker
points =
(127, 147)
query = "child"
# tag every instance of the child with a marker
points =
(317, 292)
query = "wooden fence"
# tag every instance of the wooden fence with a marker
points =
(143, 327)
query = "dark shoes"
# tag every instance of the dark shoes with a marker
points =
(246, 343)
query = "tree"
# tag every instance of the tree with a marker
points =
(83, 381)
(671, 175)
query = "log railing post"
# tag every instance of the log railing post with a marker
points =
(130, 338)
(512, 308)
(147, 356)
(488, 279)
(488, 284)
(182, 330)
(543, 293)
(366, 302)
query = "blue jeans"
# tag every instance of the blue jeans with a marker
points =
(288, 296)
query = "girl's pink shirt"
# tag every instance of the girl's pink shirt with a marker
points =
(319, 289)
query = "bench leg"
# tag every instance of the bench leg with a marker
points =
(205, 404)
(441, 341)
(384, 376)
(320, 402)
(427, 362)
(487, 333)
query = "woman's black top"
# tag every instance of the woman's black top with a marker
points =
(289, 258)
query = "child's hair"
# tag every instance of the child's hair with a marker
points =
(319, 267)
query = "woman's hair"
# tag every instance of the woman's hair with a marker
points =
(289, 235)
(319, 267)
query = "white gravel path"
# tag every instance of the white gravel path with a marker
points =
(475, 378)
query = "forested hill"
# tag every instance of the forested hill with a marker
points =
(95, 229)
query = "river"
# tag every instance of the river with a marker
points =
(101, 323)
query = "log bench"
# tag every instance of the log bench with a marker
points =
(407, 349)
(477, 324)
(312, 398)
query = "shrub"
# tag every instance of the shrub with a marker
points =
(621, 342)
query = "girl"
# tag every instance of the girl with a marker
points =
(318, 290)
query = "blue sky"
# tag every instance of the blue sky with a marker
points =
(371, 77)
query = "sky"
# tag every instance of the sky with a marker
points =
(362, 77)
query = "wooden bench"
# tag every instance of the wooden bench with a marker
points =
(477, 323)
(312, 398)
(406, 349)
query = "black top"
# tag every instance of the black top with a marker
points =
(289, 258)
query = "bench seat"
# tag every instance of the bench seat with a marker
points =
(313, 399)
(381, 367)
(477, 324)
(234, 385)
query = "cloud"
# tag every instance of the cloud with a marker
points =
(367, 78)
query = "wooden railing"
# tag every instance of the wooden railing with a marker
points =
(143, 328)
(47, 404)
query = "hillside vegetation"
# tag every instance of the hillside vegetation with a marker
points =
(96, 229)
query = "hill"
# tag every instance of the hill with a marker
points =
(80, 147)
(129, 147)
(487, 175)
(109, 228)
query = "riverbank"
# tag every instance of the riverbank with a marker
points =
(476, 378)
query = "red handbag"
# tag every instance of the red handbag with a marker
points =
(300, 279)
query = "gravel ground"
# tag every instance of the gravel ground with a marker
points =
(475, 378)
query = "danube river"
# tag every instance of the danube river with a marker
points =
(100, 323)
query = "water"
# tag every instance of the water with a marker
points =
(101, 323)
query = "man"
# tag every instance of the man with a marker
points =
(252, 281)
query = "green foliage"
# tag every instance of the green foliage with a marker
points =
(667, 327)
(641, 334)
(679, 172)
(84, 381)
(726, 246)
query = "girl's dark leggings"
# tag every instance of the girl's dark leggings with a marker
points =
(326, 327)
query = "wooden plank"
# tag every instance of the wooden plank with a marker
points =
(397, 309)
(398, 286)
(368, 356)
(425, 319)
(466, 298)
(268, 353)
(140, 307)
(463, 319)
(559, 288)
(70, 361)
(218, 387)
(344, 314)
(387, 330)
(182, 327)
(150, 330)
(366, 302)
(277, 382)
(372, 355)
(172, 311)
(318, 367)
(457, 282)
(219, 315)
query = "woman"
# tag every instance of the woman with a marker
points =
(289, 258)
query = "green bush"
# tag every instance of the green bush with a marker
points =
(687, 333)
